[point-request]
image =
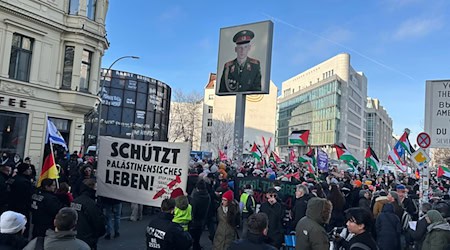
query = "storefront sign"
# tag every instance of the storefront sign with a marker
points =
(13, 102)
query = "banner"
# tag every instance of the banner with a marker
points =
(322, 160)
(260, 186)
(141, 171)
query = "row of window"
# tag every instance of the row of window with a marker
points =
(321, 91)
(20, 62)
(74, 8)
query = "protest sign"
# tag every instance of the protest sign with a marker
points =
(141, 171)
(260, 186)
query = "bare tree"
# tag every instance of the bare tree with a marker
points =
(441, 156)
(185, 116)
(222, 132)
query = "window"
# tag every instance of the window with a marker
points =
(211, 97)
(14, 132)
(85, 70)
(74, 6)
(209, 122)
(68, 67)
(208, 137)
(20, 62)
(90, 9)
(210, 109)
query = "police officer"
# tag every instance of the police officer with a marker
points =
(44, 207)
(5, 171)
(21, 190)
(248, 207)
(243, 73)
(162, 233)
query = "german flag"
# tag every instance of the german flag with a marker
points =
(49, 169)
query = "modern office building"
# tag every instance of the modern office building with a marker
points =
(328, 99)
(379, 128)
(218, 120)
(50, 57)
(133, 106)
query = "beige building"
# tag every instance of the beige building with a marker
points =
(218, 120)
(329, 99)
(50, 57)
(379, 128)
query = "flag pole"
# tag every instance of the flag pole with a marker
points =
(54, 158)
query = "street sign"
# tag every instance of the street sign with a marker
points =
(420, 157)
(423, 140)
(437, 113)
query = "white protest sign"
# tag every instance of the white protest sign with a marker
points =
(437, 113)
(141, 171)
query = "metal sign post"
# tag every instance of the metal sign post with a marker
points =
(239, 120)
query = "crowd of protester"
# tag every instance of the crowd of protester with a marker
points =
(360, 209)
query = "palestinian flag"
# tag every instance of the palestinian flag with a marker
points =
(255, 152)
(345, 155)
(299, 137)
(49, 169)
(272, 161)
(404, 141)
(443, 171)
(276, 157)
(310, 160)
(372, 159)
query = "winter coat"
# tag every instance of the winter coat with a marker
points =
(91, 221)
(12, 242)
(360, 242)
(299, 210)
(310, 233)
(200, 208)
(388, 229)
(44, 207)
(418, 235)
(363, 202)
(164, 234)
(379, 203)
(409, 206)
(3, 193)
(253, 242)
(226, 229)
(60, 240)
(275, 213)
(22, 189)
(437, 237)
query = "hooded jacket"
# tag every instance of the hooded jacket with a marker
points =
(438, 232)
(388, 229)
(363, 202)
(91, 221)
(182, 212)
(60, 240)
(378, 206)
(299, 210)
(200, 208)
(310, 233)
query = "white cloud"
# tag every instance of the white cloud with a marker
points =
(415, 28)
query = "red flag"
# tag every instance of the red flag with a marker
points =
(222, 155)
(292, 156)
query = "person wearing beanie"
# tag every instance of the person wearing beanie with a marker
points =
(354, 194)
(91, 221)
(12, 227)
(438, 232)
(228, 216)
(182, 214)
(394, 200)
(22, 190)
(379, 203)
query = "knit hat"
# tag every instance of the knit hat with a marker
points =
(434, 216)
(176, 192)
(400, 187)
(12, 222)
(22, 168)
(395, 195)
(357, 183)
(228, 195)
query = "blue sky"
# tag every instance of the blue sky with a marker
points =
(398, 44)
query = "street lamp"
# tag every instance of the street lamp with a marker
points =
(101, 96)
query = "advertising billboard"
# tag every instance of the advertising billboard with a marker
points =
(437, 113)
(245, 55)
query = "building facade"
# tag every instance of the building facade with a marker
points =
(218, 120)
(133, 106)
(50, 57)
(379, 128)
(328, 99)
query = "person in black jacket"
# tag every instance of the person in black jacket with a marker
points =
(275, 212)
(388, 229)
(257, 231)
(12, 226)
(44, 207)
(200, 202)
(418, 235)
(5, 171)
(162, 233)
(91, 222)
(20, 185)
(302, 197)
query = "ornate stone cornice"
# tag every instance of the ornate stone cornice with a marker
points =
(11, 87)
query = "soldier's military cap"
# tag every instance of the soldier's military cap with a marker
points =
(243, 36)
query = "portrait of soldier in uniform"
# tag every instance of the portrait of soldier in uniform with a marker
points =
(243, 73)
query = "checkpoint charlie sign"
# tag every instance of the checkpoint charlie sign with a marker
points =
(437, 113)
(141, 172)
